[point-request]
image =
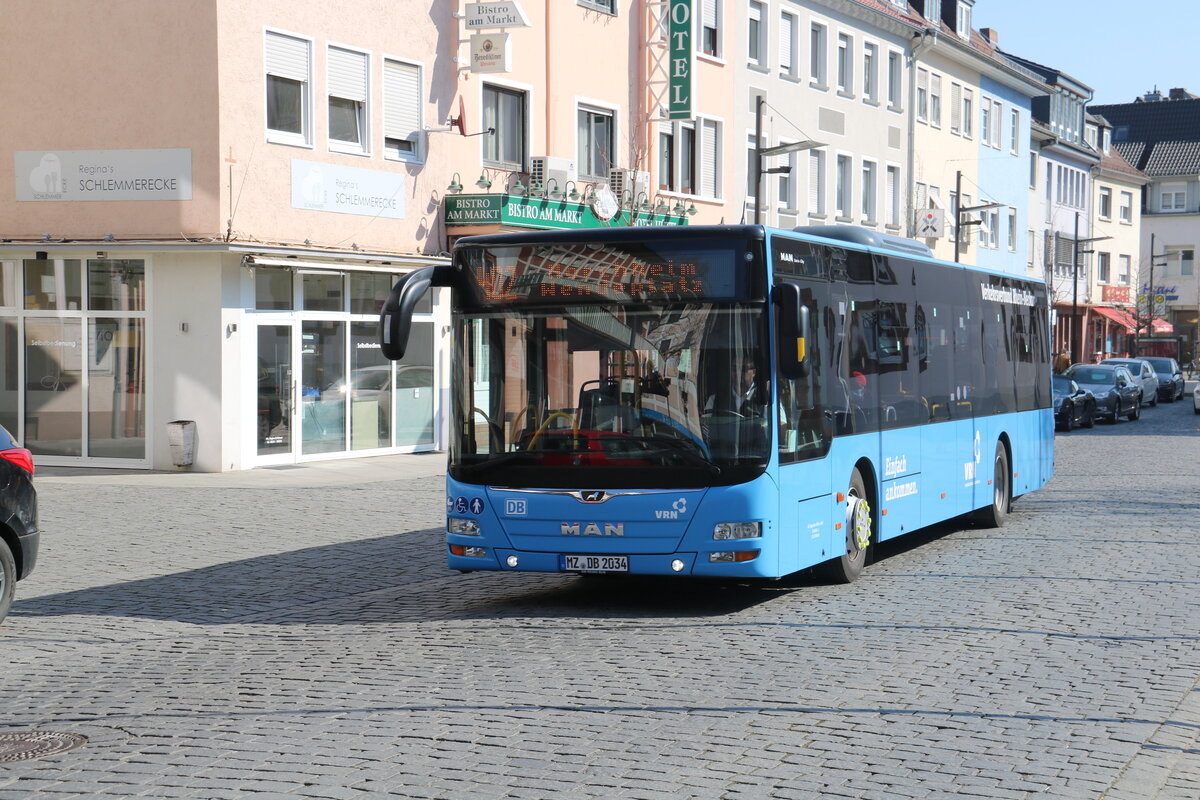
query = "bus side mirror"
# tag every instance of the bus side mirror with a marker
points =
(395, 321)
(792, 318)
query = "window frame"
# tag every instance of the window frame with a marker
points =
(419, 150)
(757, 40)
(597, 108)
(843, 186)
(870, 82)
(1125, 209)
(502, 87)
(791, 22)
(603, 6)
(844, 74)
(895, 81)
(274, 135)
(818, 55)
(363, 110)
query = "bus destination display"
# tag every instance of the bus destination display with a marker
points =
(541, 274)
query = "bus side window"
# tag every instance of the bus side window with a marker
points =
(803, 433)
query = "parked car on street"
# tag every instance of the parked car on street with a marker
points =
(1143, 374)
(18, 518)
(1170, 377)
(1117, 393)
(1073, 405)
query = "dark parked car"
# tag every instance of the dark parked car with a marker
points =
(1170, 378)
(18, 518)
(1073, 405)
(1117, 393)
(1143, 374)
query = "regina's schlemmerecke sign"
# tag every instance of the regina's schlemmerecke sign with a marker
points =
(75, 175)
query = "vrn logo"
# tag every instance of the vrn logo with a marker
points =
(677, 508)
(592, 529)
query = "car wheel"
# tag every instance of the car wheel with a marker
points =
(1068, 419)
(860, 533)
(1154, 399)
(1136, 413)
(993, 516)
(8, 579)
(1089, 417)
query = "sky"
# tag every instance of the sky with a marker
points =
(1119, 48)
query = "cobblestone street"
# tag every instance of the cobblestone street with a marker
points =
(295, 633)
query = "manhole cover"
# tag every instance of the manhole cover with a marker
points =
(26, 745)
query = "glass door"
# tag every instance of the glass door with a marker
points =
(275, 390)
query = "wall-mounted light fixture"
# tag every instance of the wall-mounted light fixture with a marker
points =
(553, 193)
(572, 195)
(455, 185)
(484, 182)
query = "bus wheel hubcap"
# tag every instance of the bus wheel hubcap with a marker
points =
(860, 523)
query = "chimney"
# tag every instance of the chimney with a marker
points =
(1154, 96)
(992, 35)
(1181, 94)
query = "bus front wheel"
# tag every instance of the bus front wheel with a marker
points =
(860, 533)
(993, 516)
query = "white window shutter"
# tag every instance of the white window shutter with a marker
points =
(708, 158)
(815, 189)
(891, 196)
(401, 100)
(287, 57)
(347, 74)
(787, 24)
(955, 107)
(708, 14)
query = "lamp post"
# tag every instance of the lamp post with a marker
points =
(761, 152)
(1075, 326)
(959, 210)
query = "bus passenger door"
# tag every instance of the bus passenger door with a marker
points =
(804, 437)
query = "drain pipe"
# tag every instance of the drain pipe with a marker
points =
(923, 39)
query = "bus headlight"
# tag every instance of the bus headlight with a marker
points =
(464, 527)
(737, 530)
(469, 552)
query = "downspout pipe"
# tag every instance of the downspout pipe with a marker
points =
(922, 40)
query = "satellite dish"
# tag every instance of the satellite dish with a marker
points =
(460, 122)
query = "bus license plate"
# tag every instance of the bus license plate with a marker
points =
(595, 563)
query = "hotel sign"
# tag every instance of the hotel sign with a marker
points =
(75, 175)
(496, 15)
(679, 70)
(532, 212)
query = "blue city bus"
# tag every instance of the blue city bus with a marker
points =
(727, 401)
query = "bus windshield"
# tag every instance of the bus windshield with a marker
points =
(616, 395)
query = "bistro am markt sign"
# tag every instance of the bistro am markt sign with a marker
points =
(506, 14)
(530, 212)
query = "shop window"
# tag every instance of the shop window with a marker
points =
(116, 285)
(322, 291)
(401, 111)
(10, 378)
(116, 396)
(273, 289)
(287, 85)
(348, 94)
(369, 291)
(370, 387)
(53, 285)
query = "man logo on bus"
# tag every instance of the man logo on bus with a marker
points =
(592, 529)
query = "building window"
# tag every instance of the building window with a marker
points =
(1103, 267)
(710, 28)
(1012, 230)
(1105, 203)
(870, 72)
(1031, 248)
(1173, 197)
(816, 55)
(787, 44)
(955, 107)
(922, 94)
(756, 44)
(600, 5)
(1187, 262)
(287, 84)
(1123, 263)
(895, 65)
(933, 10)
(787, 183)
(869, 191)
(666, 157)
(968, 112)
(816, 182)
(893, 197)
(985, 120)
(751, 171)
(1014, 142)
(597, 136)
(677, 157)
(964, 20)
(687, 158)
(401, 110)
(845, 70)
(935, 100)
(843, 187)
(348, 93)
(1127, 207)
(997, 123)
(710, 158)
(504, 110)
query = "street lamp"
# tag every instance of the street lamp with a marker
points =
(959, 210)
(1075, 288)
(761, 152)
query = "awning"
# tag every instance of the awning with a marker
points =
(1117, 315)
(1161, 326)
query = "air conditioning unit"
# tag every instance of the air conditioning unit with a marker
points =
(543, 169)
(636, 182)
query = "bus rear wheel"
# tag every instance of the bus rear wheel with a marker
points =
(860, 533)
(993, 516)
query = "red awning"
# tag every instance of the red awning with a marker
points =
(1162, 326)
(1117, 315)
